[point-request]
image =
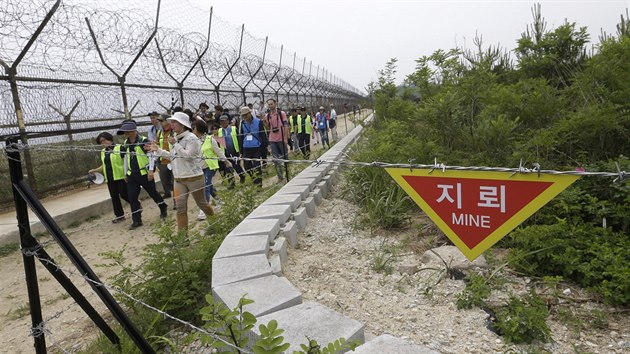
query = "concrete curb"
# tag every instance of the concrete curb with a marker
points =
(258, 275)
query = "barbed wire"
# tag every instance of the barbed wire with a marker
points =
(620, 175)
(66, 50)
(137, 301)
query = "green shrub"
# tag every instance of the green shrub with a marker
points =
(524, 320)
(475, 293)
(175, 271)
(593, 257)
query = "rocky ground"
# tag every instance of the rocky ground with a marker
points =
(410, 297)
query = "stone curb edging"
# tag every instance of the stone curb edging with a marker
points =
(239, 267)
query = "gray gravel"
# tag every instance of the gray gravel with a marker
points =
(333, 265)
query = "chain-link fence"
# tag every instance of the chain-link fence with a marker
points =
(72, 69)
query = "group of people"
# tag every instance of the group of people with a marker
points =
(188, 148)
(304, 127)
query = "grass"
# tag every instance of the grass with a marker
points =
(20, 312)
(8, 249)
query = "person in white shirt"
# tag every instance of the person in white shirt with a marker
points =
(332, 122)
(184, 155)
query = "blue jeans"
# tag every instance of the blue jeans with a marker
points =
(208, 174)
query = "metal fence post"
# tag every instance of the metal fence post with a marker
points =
(21, 210)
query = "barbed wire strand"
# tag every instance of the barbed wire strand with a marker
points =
(378, 164)
(74, 273)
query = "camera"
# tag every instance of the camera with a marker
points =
(275, 130)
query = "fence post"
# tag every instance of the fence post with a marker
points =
(15, 170)
(122, 78)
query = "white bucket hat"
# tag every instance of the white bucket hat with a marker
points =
(181, 118)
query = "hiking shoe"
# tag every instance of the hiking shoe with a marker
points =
(135, 225)
(201, 215)
(163, 210)
(118, 219)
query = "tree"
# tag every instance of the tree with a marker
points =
(555, 56)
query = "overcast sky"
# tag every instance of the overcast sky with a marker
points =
(354, 39)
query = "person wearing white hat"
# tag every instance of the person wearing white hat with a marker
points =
(184, 155)
(322, 126)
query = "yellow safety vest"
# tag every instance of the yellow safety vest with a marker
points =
(208, 152)
(160, 138)
(308, 124)
(118, 169)
(234, 138)
(141, 156)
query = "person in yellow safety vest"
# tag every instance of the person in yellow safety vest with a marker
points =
(166, 175)
(232, 150)
(113, 170)
(139, 168)
(303, 128)
(211, 152)
(293, 142)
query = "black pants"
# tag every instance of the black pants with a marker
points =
(236, 165)
(254, 168)
(134, 182)
(118, 190)
(304, 140)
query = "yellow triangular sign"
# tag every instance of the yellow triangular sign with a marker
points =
(476, 209)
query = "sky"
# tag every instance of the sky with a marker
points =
(354, 39)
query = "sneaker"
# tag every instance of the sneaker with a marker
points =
(201, 215)
(163, 210)
(118, 219)
(135, 225)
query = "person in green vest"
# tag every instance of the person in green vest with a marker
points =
(113, 170)
(293, 142)
(139, 167)
(211, 152)
(303, 128)
(231, 148)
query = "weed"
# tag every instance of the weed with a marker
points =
(475, 293)
(92, 218)
(74, 224)
(19, 312)
(524, 320)
(8, 249)
(383, 259)
(598, 319)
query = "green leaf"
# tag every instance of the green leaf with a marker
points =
(244, 301)
(263, 330)
(248, 318)
(272, 325)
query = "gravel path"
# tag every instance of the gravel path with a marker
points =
(333, 265)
